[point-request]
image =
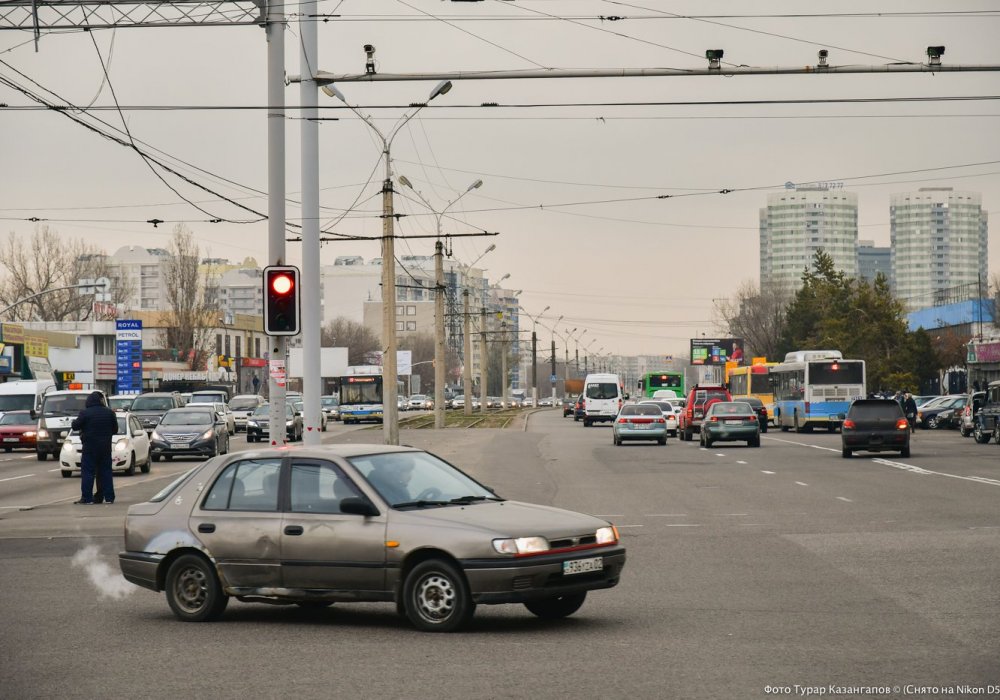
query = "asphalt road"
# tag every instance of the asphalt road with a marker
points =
(748, 570)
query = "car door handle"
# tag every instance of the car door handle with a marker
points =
(293, 530)
(206, 527)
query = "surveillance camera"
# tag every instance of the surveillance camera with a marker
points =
(369, 48)
(823, 53)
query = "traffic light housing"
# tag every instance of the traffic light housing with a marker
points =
(281, 300)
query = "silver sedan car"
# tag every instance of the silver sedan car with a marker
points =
(356, 523)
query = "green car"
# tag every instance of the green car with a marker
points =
(730, 421)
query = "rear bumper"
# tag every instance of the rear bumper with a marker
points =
(876, 441)
(140, 568)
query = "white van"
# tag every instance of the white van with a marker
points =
(59, 409)
(24, 394)
(602, 397)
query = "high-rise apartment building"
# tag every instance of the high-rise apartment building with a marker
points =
(798, 222)
(939, 246)
(873, 260)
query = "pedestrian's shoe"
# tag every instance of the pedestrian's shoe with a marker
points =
(109, 503)
(82, 502)
(98, 501)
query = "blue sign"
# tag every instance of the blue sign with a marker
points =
(128, 356)
(552, 378)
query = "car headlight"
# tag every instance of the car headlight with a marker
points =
(208, 434)
(289, 423)
(521, 545)
(607, 535)
(68, 447)
(29, 433)
(157, 436)
(43, 433)
(122, 444)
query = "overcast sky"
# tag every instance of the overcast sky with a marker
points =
(640, 276)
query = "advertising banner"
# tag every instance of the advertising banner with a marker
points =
(716, 351)
(128, 356)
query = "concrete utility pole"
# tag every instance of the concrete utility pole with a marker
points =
(503, 361)
(483, 362)
(553, 377)
(534, 368)
(439, 351)
(467, 369)
(276, 207)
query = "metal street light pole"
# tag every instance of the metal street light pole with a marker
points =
(534, 352)
(390, 406)
(439, 339)
(467, 334)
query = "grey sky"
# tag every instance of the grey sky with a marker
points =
(640, 275)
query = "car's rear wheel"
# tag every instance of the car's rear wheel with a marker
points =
(145, 466)
(661, 441)
(980, 435)
(905, 452)
(193, 590)
(436, 597)
(707, 442)
(42, 456)
(755, 442)
(688, 434)
(130, 470)
(932, 423)
(556, 607)
(846, 453)
(586, 423)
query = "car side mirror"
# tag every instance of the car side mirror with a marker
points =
(357, 506)
(626, 397)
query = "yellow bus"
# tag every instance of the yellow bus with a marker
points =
(753, 380)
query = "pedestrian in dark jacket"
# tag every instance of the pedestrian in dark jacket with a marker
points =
(97, 425)
(910, 411)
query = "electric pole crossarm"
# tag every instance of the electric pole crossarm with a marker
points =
(325, 78)
(54, 15)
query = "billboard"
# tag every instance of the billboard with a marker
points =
(716, 351)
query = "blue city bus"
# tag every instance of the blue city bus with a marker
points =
(814, 389)
(360, 398)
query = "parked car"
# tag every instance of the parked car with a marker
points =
(875, 425)
(943, 412)
(729, 421)
(454, 542)
(190, 431)
(670, 413)
(639, 422)
(150, 408)
(18, 430)
(223, 410)
(259, 424)
(243, 407)
(699, 400)
(129, 448)
(987, 418)
(972, 404)
(330, 405)
(759, 408)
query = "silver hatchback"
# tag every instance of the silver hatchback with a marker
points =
(356, 523)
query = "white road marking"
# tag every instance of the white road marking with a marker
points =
(621, 527)
(12, 478)
(55, 470)
(801, 483)
(719, 454)
(682, 525)
(666, 515)
(764, 471)
(925, 472)
(801, 444)
(740, 461)
(845, 500)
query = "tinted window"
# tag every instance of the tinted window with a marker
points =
(847, 372)
(17, 402)
(665, 381)
(243, 404)
(738, 408)
(153, 403)
(871, 410)
(644, 409)
(319, 488)
(247, 485)
(176, 417)
(603, 390)
(17, 419)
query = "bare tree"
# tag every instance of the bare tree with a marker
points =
(356, 337)
(757, 315)
(190, 316)
(47, 261)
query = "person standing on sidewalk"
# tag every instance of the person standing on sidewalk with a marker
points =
(910, 411)
(97, 425)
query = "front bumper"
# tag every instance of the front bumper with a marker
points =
(493, 581)
(198, 447)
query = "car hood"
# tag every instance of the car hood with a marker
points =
(510, 519)
(171, 429)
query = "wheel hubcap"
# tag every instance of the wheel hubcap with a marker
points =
(191, 589)
(435, 597)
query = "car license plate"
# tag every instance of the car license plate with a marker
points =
(734, 422)
(180, 445)
(582, 566)
(12, 439)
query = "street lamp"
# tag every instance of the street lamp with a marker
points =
(534, 351)
(390, 408)
(467, 332)
(439, 339)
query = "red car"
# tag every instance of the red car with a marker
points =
(699, 399)
(18, 430)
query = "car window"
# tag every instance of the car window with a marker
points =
(243, 404)
(319, 487)
(643, 409)
(65, 405)
(176, 417)
(136, 425)
(602, 390)
(730, 409)
(17, 419)
(869, 410)
(247, 485)
(401, 477)
(153, 403)
(122, 426)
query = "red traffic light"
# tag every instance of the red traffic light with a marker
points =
(282, 284)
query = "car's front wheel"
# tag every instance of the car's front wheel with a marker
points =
(932, 423)
(67, 473)
(130, 470)
(436, 597)
(193, 590)
(556, 607)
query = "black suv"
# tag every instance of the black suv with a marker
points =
(875, 425)
(149, 408)
(987, 418)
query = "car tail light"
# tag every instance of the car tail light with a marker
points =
(623, 420)
(661, 420)
(849, 424)
(713, 419)
(902, 424)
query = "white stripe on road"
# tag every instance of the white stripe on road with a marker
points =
(845, 500)
(920, 470)
(12, 478)
(764, 471)
(801, 483)
(682, 525)
(740, 461)
(666, 515)
(801, 444)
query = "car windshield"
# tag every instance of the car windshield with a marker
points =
(207, 397)
(662, 405)
(602, 390)
(17, 402)
(736, 408)
(17, 419)
(330, 401)
(65, 405)
(121, 404)
(187, 418)
(419, 479)
(418, 397)
(870, 410)
(153, 403)
(643, 409)
(243, 404)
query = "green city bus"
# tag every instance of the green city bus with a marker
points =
(670, 380)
